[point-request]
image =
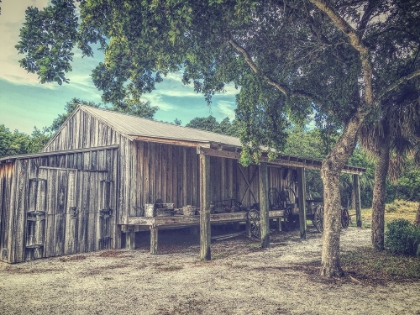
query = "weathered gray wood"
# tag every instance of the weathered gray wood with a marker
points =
(248, 229)
(133, 180)
(181, 220)
(154, 233)
(302, 201)
(264, 215)
(130, 240)
(282, 160)
(356, 191)
(184, 177)
(71, 210)
(60, 215)
(205, 228)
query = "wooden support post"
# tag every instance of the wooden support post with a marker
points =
(248, 229)
(356, 191)
(264, 214)
(130, 240)
(205, 228)
(302, 201)
(279, 225)
(154, 233)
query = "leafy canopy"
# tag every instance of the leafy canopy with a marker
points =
(288, 57)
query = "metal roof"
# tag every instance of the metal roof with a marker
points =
(132, 127)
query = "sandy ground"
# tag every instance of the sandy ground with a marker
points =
(242, 279)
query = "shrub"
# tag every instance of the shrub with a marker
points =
(402, 237)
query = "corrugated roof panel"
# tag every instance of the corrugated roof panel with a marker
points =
(136, 126)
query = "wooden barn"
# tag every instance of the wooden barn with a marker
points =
(105, 176)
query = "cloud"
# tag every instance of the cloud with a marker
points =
(12, 18)
(227, 108)
(156, 99)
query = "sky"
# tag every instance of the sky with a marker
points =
(25, 103)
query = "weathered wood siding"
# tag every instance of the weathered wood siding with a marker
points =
(160, 171)
(149, 171)
(82, 130)
(7, 189)
(171, 173)
(59, 204)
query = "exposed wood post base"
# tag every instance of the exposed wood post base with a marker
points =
(205, 227)
(154, 240)
(302, 202)
(248, 229)
(264, 214)
(130, 240)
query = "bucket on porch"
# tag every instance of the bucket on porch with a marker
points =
(189, 210)
(149, 210)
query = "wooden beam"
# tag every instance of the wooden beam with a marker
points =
(281, 160)
(302, 201)
(182, 143)
(9, 159)
(154, 234)
(205, 228)
(136, 223)
(264, 211)
(356, 191)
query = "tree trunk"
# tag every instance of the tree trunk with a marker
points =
(379, 191)
(330, 174)
(417, 220)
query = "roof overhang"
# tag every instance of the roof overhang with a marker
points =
(281, 160)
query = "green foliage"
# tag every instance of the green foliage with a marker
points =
(15, 143)
(402, 237)
(47, 39)
(407, 186)
(289, 59)
(210, 123)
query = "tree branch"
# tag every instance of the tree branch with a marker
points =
(254, 68)
(282, 88)
(326, 7)
(366, 17)
(402, 80)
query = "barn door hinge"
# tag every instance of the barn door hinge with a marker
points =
(35, 215)
(105, 213)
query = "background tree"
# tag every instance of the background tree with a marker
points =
(390, 139)
(338, 58)
(14, 143)
(210, 123)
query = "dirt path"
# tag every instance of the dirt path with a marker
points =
(242, 279)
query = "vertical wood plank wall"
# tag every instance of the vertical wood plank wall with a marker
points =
(59, 204)
(171, 173)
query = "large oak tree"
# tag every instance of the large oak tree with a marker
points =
(338, 59)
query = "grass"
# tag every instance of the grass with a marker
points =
(376, 266)
(380, 266)
(171, 268)
(220, 255)
(254, 245)
(399, 209)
